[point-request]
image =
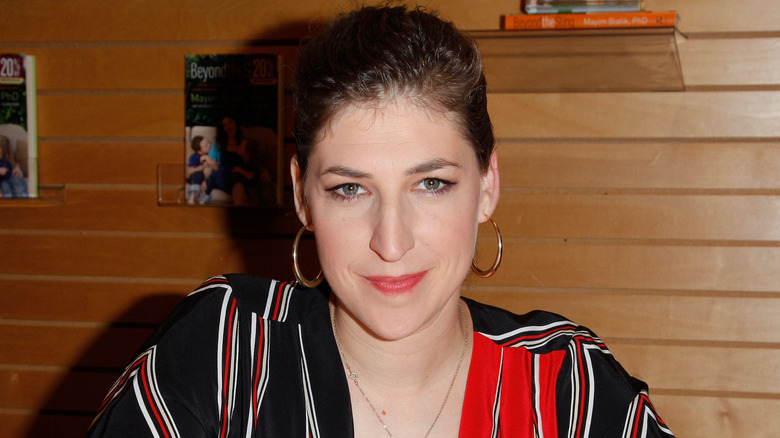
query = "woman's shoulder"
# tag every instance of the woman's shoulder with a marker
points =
(539, 331)
(267, 298)
(240, 297)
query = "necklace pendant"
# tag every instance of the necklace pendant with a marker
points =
(353, 376)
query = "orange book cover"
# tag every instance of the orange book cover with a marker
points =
(604, 20)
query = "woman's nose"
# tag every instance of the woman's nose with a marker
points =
(392, 235)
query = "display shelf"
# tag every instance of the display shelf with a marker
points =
(170, 185)
(550, 61)
(581, 60)
(48, 196)
(171, 191)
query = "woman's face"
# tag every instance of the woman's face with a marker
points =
(394, 196)
(230, 126)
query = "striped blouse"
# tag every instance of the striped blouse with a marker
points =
(248, 357)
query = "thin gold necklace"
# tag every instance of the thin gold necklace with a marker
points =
(354, 376)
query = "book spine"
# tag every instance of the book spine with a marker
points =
(31, 91)
(582, 8)
(579, 2)
(605, 20)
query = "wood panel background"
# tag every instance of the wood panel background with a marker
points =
(652, 218)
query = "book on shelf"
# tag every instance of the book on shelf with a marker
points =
(581, 6)
(606, 20)
(18, 126)
(234, 133)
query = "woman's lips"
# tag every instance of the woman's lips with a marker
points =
(396, 285)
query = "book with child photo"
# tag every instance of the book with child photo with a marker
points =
(18, 133)
(234, 134)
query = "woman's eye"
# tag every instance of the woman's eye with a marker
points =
(348, 189)
(431, 184)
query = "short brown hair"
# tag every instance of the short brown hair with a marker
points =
(195, 143)
(382, 53)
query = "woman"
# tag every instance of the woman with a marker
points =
(395, 170)
(224, 153)
(229, 137)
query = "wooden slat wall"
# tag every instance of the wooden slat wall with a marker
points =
(649, 217)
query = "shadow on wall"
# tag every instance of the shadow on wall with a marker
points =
(263, 237)
(70, 408)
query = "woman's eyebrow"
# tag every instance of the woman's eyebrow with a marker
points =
(346, 172)
(429, 166)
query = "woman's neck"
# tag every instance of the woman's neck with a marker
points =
(406, 364)
(413, 386)
(232, 143)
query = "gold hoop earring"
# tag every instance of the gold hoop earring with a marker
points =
(497, 262)
(299, 278)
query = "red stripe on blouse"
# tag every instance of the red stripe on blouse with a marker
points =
(516, 414)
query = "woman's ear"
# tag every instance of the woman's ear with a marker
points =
(490, 189)
(300, 197)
